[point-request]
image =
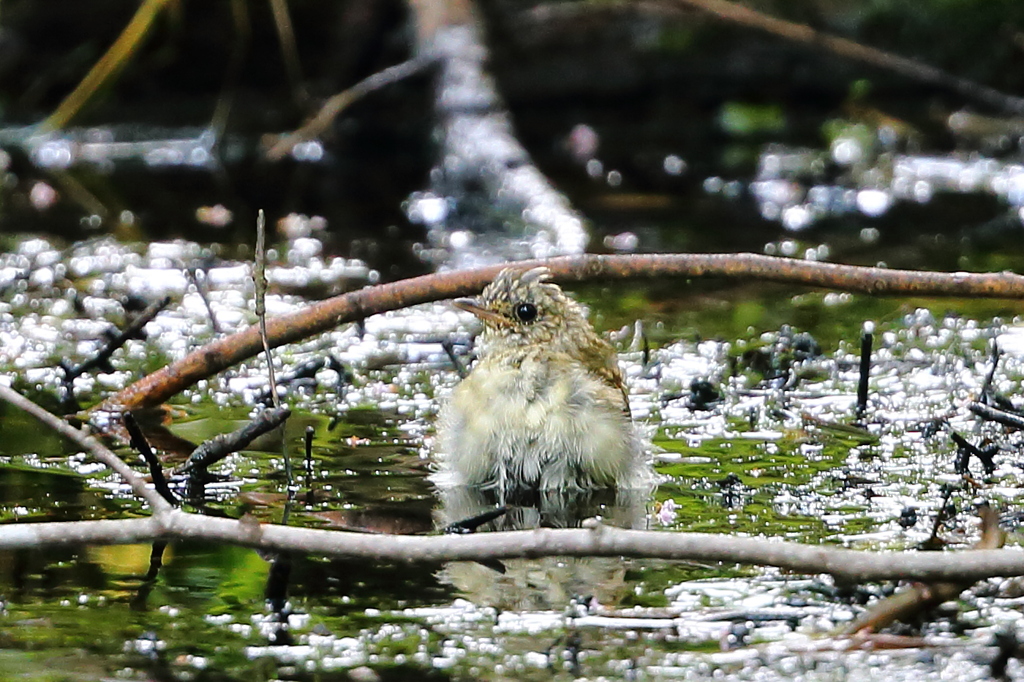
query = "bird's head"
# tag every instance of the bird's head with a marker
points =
(522, 308)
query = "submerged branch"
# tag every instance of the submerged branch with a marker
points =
(594, 540)
(325, 315)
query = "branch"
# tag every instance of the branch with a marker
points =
(282, 145)
(592, 540)
(109, 65)
(799, 33)
(99, 452)
(102, 359)
(325, 315)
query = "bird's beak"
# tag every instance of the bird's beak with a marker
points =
(470, 305)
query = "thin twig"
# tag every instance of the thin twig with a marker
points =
(98, 451)
(259, 277)
(204, 294)
(986, 393)
(325, 315)
(102, 358)
(282, 145)
(308, 443)
(289, 52)
(867, 338)
(449, 349)
(236, 60)
(156, 470)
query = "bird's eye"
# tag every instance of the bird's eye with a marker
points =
(526, 312)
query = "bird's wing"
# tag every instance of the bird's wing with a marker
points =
(603, 361)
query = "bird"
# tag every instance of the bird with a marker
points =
(545, 406)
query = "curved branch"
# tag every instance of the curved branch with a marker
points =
(325, 315)
(593, 540)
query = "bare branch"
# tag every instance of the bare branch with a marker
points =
(593, 540)
(325, 315)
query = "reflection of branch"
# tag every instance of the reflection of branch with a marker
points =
(283, 144)
(844, 47)
(353, 306)
(593, 540)
(88, 443)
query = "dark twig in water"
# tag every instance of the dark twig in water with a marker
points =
(965, 451)
(986, 388)
(1009, 646)
(867, 338)
(844, 47)
(156, 562)
(944, 511)
(308, 370)
(988, 394)
(102, 359)
(471, 524)
(276, 594)
(646, 350)
(308, 442)
(1003, 417)
(156, 469)
(357, 305)
(219, 447)
(282, 145)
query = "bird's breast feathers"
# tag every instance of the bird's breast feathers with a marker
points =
(537, 423)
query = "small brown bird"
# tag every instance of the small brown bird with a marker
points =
(545, 406)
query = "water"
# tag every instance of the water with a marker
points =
(102, 219)
(761, 461)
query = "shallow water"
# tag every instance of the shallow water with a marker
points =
(763, 460)
(103, 219)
